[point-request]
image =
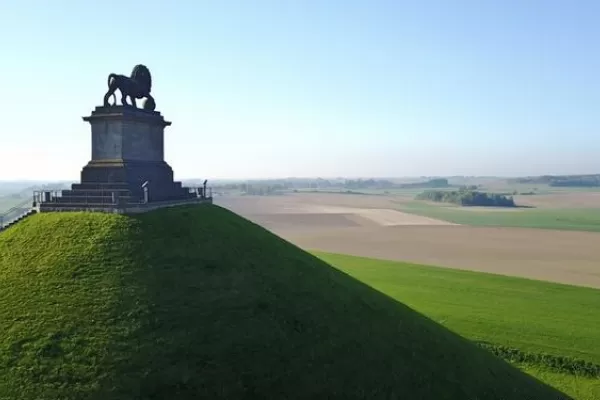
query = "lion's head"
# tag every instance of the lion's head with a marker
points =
(141, 74)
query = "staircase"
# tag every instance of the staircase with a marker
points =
(16, 214)
(106, 196)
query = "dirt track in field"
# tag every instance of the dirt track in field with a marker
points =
(368, 226)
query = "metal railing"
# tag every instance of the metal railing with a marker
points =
(107, 197)
(100, 197)
(202, 192)
(15, 213)
(45, 196)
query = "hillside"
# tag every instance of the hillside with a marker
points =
(196, 302)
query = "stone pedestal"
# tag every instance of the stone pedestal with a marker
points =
(127, 152)
(126, 133)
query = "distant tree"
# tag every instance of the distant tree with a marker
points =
(465, 197)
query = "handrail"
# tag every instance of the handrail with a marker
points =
(15, 210)
(17, 207)
(110, 197)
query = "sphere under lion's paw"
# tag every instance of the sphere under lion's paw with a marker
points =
(149, 104)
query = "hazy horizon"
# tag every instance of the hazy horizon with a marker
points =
(312, 88)
(331, 178)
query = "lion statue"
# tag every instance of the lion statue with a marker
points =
(135, 87)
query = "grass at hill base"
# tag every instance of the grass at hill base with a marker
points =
(576, 386)
(529, 315)
(549, 330)
(196, 302)
(579, 219)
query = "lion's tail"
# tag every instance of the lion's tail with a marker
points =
(111, 76)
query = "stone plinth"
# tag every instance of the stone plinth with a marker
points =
(127, 153)
(128, 148)
(125, 133)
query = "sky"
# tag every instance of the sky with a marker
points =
(327, 88)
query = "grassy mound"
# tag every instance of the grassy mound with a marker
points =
(196, 302)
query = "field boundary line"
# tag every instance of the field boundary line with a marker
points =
(563, 364)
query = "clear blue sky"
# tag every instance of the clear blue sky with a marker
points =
(306, 88)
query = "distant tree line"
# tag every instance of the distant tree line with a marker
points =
(262, 190)
(562, 181)
(291, 184)
(368, 184)
(588, 181)
(465, 197)
(432, 183)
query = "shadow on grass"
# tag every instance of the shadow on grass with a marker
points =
(222, 308)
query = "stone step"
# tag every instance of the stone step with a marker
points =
(77, 204)
(100, 186)
(88, 195)
(92, 193)
(74, 207)
(83, 199)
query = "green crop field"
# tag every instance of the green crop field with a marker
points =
(577, 386)
(580, 219)
(552, 330)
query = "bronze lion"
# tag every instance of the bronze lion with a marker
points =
(135, 87)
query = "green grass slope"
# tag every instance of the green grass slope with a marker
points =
(529, 315)
(549, 330)
(196, 302)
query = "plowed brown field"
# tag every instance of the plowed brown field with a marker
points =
(369, 226)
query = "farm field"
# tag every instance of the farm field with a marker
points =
(575, 219)
(500, 185)
(382, 227)
(532, 317)
(551, 208)
(578, 387)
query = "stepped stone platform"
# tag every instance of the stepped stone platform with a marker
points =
(127, 165)
(122, 208)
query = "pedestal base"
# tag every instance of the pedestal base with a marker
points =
(101, 181)
(127, 164)
(132, 175)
